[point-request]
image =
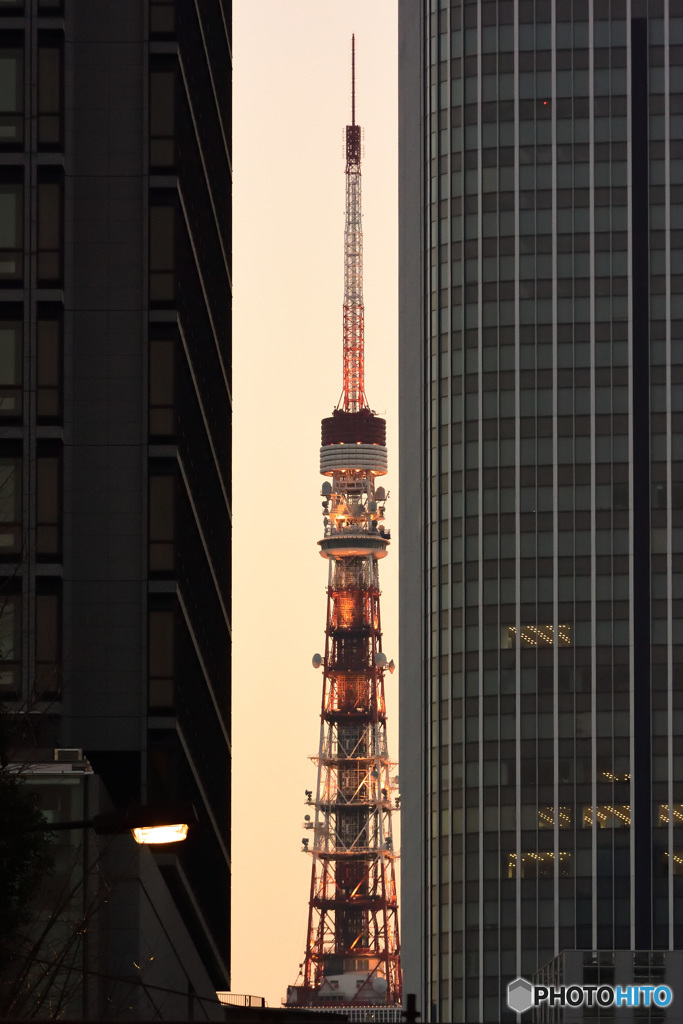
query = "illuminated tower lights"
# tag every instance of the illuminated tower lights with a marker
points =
(352, 948)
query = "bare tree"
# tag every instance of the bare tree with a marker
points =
(26, 857)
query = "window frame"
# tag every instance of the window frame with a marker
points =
(162, 253)
(13, 118)
(161, 657)
(12, 265)
(48, 644)
(162, 521)
(50, 100)
(11, 666)
(161, 17)
(11, 391)
(49, 370)
(161, 386)
(48, 526)
(50, 232)
(161, 119)
(11, 526)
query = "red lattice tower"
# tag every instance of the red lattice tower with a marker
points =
(352, 948)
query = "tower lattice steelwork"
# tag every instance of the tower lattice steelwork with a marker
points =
(352, 948)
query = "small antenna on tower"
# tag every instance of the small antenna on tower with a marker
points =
(353, 79)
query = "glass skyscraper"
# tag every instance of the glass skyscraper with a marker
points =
(542, 488)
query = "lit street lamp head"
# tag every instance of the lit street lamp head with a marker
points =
(150, 825)
(153, 834)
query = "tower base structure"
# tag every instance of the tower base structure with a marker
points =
(352, 952)
(370, 1013)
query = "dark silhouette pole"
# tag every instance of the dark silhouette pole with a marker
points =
(411, 1013)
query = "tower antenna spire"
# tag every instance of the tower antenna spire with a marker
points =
(353, 396)
(353, 79)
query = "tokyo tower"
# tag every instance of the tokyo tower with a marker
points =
(352, 946)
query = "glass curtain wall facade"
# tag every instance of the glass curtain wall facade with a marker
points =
(542, 487)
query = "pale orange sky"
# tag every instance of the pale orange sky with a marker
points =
(291, 103)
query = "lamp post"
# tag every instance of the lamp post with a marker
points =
(149, 825)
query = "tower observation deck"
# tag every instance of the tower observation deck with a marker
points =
(352, 946)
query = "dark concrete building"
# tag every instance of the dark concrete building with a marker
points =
(115, 408)
(106, 940)
(542, 488)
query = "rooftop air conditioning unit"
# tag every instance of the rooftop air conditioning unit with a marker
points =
(69, 754)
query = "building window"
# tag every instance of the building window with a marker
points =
(161, 119)
(666, 812)
(607, 776)
(10, 506)
(547, 817)
(49, 268)
(607, 816)
(11, 232)
(162, 522)
(542, 635)
(11, 97)
(161, 17)
(161, 657)
(50, 94)
(10, 646)
(49, 368)
(161, 254)
(162, 387)
(677, 861)
(48, 645)
(48, 505)
(11, 6)
(11, 333)
(537, 865)
(162, 766)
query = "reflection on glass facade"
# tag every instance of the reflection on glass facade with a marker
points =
(542, 534)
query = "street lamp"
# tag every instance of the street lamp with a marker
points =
(150, 825)
(151, 834)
